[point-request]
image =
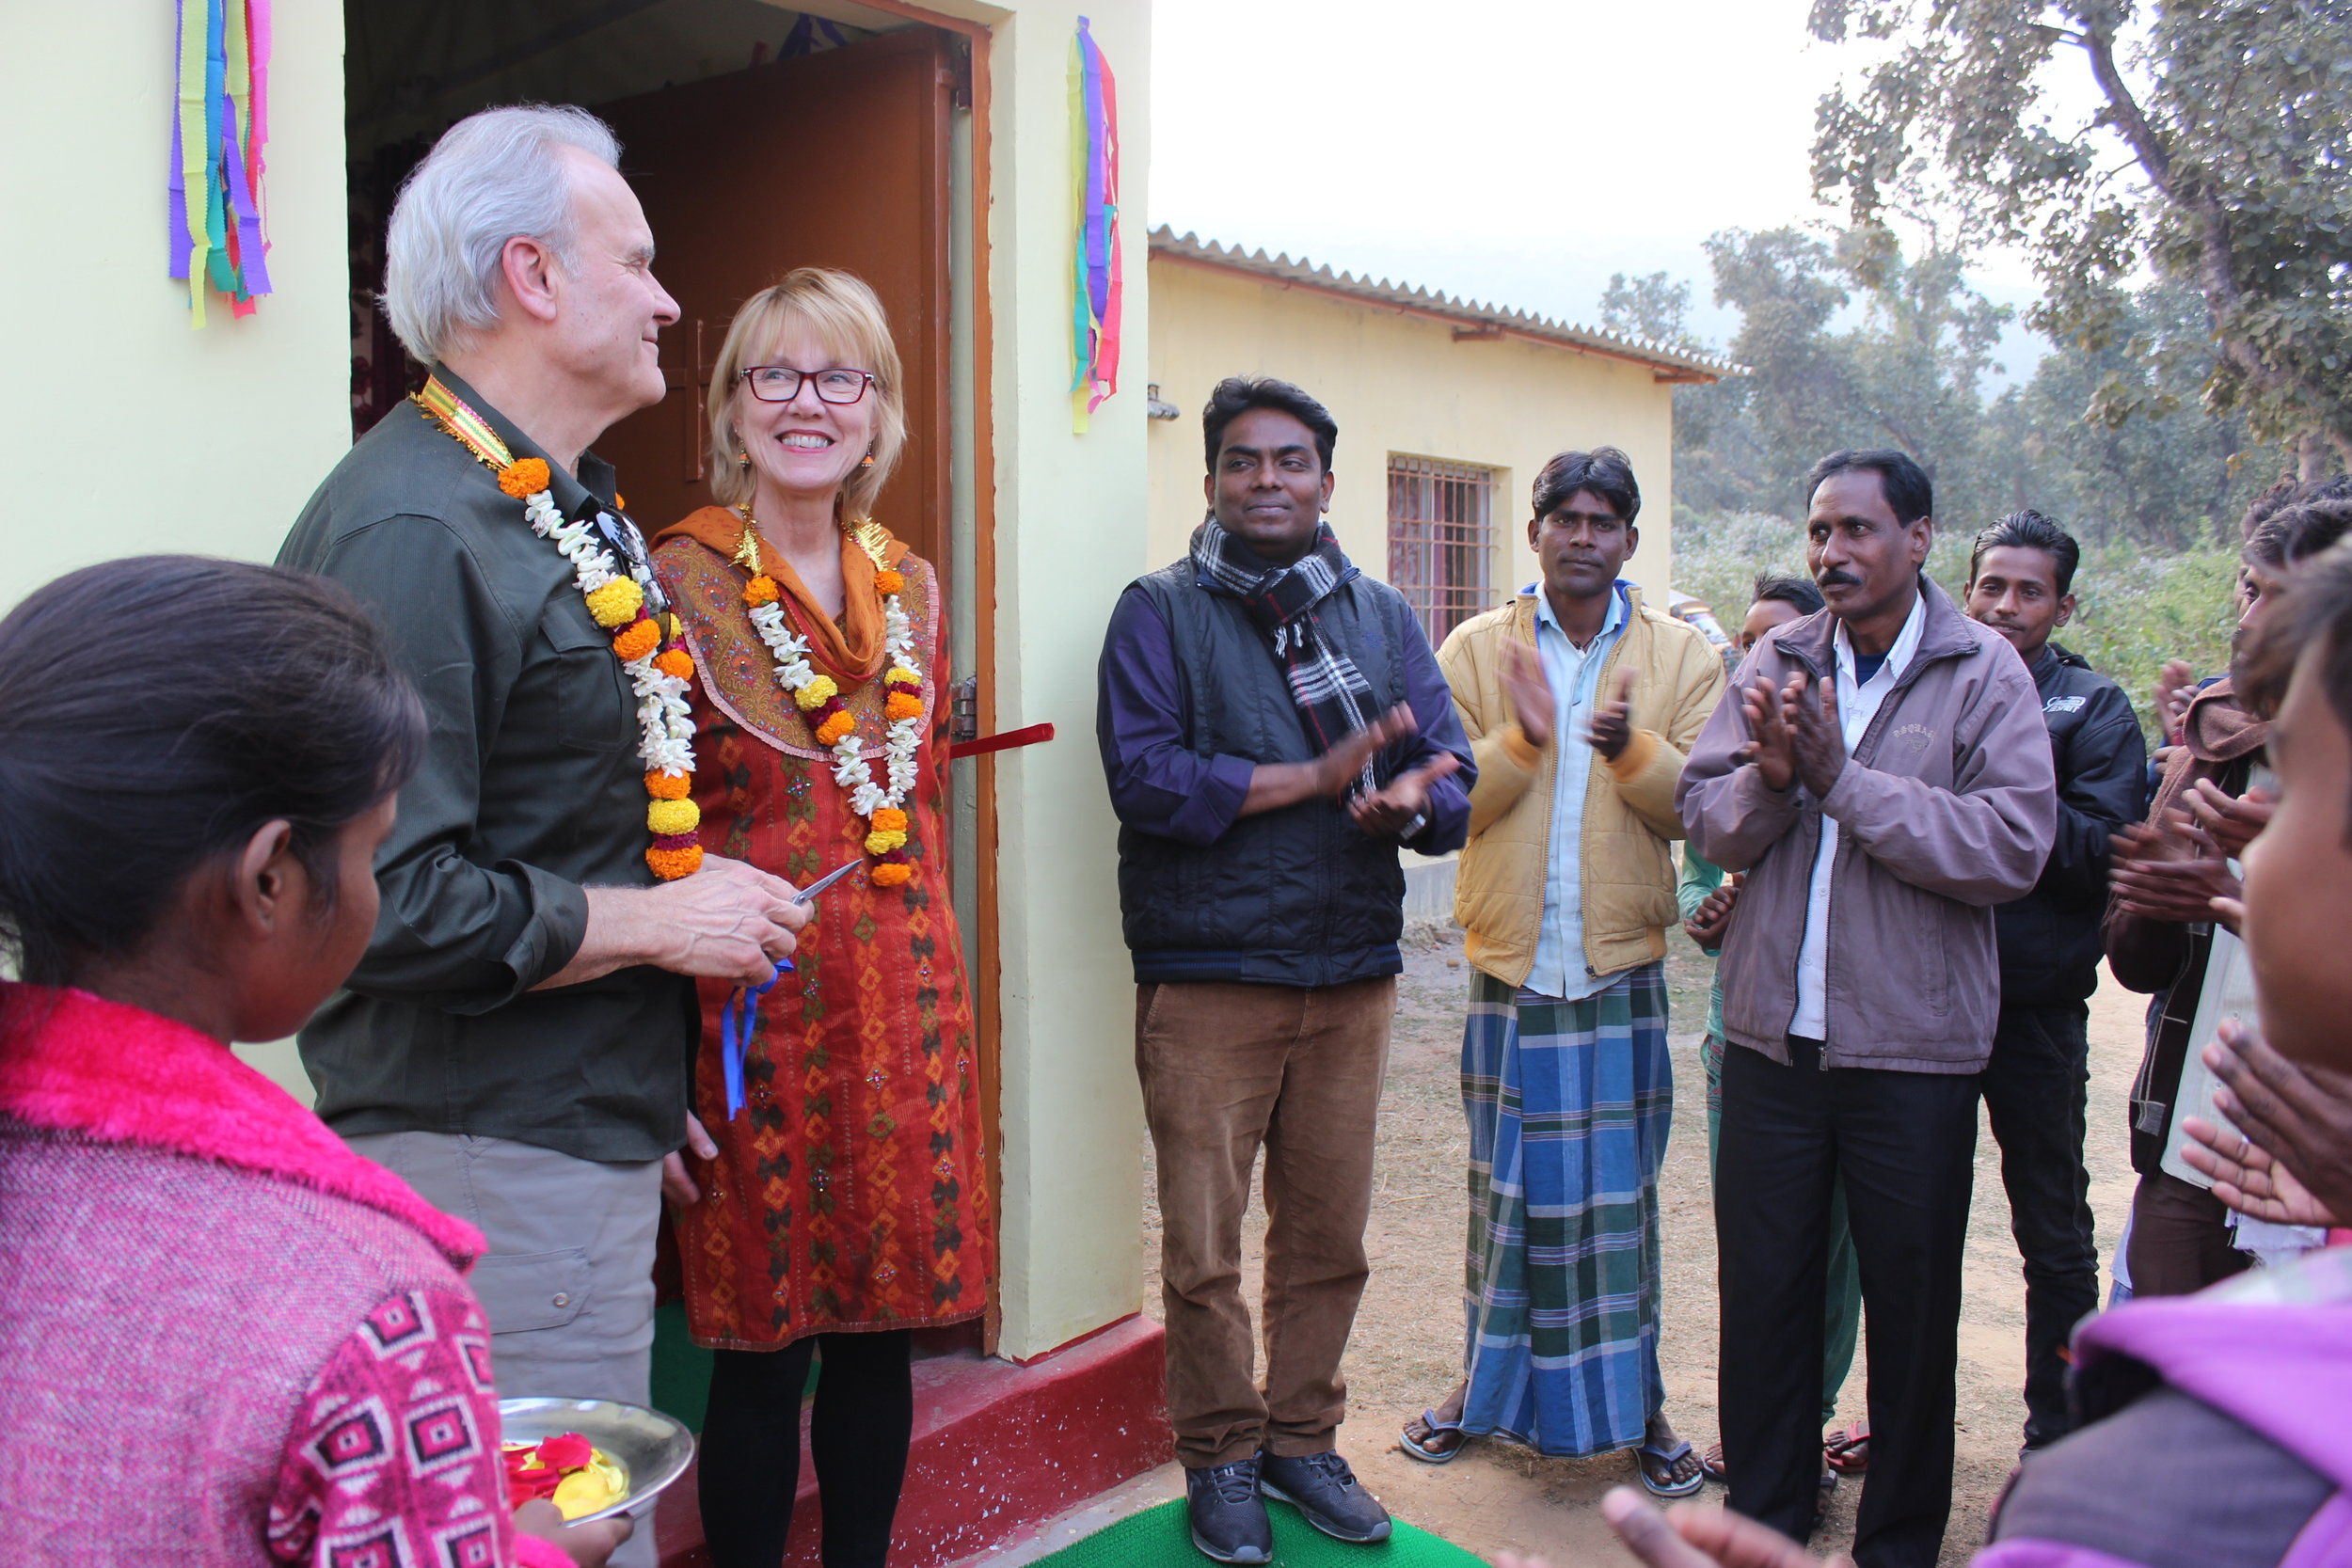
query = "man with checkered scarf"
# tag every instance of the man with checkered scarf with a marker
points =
(1273, 729)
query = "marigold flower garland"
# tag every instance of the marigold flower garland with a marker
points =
(819, 698)
(653, 656)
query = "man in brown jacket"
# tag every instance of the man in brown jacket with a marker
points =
(1882, 775)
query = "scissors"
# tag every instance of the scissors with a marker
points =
(742, 1013)
(808, 895)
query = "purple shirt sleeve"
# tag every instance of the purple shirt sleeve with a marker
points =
(1158, 784)
(1441, 731)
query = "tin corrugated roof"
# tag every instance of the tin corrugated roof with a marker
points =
(1470, 318)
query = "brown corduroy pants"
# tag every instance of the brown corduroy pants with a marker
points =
(1226, 1069)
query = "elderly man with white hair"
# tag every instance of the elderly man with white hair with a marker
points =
(515, 1044)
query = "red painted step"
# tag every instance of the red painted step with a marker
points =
(998, 1448)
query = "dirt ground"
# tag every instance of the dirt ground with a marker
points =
(1407, 1350)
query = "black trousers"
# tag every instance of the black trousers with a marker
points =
(2035, 1088)
(1905, 1143)
(859, 1431)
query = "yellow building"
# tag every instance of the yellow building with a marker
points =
(1447, 409)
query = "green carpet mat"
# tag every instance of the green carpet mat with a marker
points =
(1159, 1538)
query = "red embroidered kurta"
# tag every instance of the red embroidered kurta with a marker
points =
(850, 1191)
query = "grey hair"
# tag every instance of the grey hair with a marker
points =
(492, 176)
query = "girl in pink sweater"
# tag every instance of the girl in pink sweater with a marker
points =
(224, 1338)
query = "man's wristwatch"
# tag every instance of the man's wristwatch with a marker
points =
(1420, 820)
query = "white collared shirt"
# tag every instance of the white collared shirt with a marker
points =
(1857, 704)
(1560, 968)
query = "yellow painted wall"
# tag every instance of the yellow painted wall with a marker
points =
(122, 431)
(1398, 384)
(1070, 521)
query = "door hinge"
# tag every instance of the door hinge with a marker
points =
(963, 710)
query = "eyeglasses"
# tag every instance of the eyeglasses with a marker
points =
(782, 384)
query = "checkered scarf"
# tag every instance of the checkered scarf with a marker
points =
(1280, 601)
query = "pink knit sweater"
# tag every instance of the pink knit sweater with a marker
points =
(225, 1340)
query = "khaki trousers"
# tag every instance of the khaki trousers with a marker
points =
(1226, 1069)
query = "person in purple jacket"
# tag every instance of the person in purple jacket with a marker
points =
(1273, 729)
(1881, 772)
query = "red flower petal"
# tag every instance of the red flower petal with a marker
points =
(567, 1452)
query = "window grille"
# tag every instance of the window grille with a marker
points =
(1442, 540)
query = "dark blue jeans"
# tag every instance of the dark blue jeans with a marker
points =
(2034, 1091)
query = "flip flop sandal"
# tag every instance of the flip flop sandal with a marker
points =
(1667, 1458)
(1848, 1451)
(1427, 1451)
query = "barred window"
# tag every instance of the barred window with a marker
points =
(1442, 540)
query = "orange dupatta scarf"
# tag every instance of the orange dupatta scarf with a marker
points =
(850, 650)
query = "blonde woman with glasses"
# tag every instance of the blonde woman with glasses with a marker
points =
(835, 1198)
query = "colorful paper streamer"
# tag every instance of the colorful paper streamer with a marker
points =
(1099, 281)
(221, 84)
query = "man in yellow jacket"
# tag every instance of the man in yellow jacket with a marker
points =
(1580, 702)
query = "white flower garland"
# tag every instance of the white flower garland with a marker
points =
(904, 736)
(665, 720)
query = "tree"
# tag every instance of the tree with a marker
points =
(1905, 374)
(2220, 157)
(1654, 307)
(2110, 439)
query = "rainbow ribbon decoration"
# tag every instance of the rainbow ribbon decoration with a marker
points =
(1100, 277)
(216, 140)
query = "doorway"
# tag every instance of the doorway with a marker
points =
(836, 160)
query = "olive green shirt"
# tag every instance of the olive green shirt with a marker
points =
(531, 791)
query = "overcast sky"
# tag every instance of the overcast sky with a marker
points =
(1518, 152)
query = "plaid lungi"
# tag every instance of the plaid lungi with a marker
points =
(1569, 1104)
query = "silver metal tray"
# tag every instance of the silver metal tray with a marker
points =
(653, 1447)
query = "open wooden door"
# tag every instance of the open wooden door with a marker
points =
(837, 159)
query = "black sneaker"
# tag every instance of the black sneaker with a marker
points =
(1322, 1487)
(1228, 1520)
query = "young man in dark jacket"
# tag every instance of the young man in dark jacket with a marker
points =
(2021, 581)
(1274, 727)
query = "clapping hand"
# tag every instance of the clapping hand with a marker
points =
(2172, 872)
(1388, 812)
(1337, 769)
(1524, 683)
(2176, 686)
(2293, 1163)
(1711, 920)
(1612, 730)
(1770, 746)
(1818, 735)
(2248, 1179)
(2230, 821)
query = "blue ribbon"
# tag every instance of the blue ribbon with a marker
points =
(737, 1021)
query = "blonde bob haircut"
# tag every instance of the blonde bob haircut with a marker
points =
(841, 312)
